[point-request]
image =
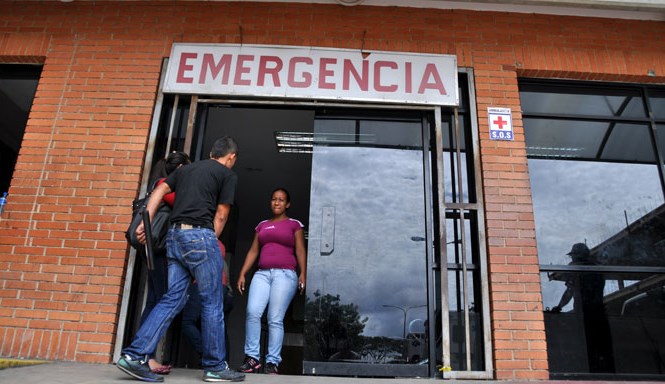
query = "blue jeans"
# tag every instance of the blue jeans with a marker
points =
(191, 316)
(277, 288)
(191, 253)
(156, 286)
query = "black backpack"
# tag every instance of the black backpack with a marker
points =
(159, 223)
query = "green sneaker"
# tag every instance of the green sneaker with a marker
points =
(224, 375)
(138, 369)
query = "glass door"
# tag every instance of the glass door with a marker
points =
(366, 307)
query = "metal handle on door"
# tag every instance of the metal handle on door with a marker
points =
(327, 230)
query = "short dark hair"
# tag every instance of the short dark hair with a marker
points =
(223, 146)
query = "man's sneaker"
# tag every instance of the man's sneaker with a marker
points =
(225, 375)
(138, 369)
(250, 365)
(271, 369)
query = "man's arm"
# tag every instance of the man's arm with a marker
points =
(221, 216)
(153, 203)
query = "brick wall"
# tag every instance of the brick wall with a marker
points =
(62, 250)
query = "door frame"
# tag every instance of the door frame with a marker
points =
(438, 162)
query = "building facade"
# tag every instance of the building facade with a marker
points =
(445, 161)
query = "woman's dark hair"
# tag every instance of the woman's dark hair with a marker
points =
(174, 160)
(288, 196)
(164, 167)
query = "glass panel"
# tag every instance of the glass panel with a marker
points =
(657, 102)
(553, 100)
(563, 139)
(454, 240)
(360, 307)
(660, 137)
(611, 322)
(395, 134)
(616, 209)
(629, 142)
(450, 164)
(18, 84)
(457, 330)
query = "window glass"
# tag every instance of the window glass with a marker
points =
(457, 322)
(604, 322)
(582, 101)
(600, 217)
(595, 203)
(18, 84)
(657, 101)
(575, 139)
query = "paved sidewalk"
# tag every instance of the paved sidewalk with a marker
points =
(81, 373)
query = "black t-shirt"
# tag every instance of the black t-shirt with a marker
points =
(199, 187)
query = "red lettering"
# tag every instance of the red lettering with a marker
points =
(349, 70)
(184, 67)
(208, 62)
(324, 73)
(377, 76)
(408, 81)
(273, 71)
(306, 76)
(437, 84)
(241, 69)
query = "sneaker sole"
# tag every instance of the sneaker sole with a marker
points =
(215, 380)
(251, 370)
(142, 378)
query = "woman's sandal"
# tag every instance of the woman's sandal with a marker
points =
(163, 370)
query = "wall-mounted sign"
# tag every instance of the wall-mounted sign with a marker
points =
(312, 73)
(501, 123)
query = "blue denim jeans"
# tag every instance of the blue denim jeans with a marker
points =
(191, 316)
(191, 253)
(156, 286)
(277, 288)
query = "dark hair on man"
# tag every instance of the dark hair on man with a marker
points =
(223, 146)
(288, 196)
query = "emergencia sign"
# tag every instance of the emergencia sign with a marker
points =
(501, 123)
(312, 73)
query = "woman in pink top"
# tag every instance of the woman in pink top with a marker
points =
(279, 245)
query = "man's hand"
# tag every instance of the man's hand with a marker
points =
(140, 233)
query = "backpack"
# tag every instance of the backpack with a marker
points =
(159, 224)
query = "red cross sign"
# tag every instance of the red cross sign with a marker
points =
(501, 123)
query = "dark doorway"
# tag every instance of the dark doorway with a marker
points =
(262, 167)
(357, 181)
(18, 84)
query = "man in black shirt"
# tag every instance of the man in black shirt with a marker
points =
(205, 191)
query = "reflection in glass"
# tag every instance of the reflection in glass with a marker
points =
(561, 140)
(457, 301)
(367, 291)
(600, 219)
(657, 101)
(595, 203)
(614, 322)
(590, 101)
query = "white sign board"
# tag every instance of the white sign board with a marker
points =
(501, 123)
(312, 73)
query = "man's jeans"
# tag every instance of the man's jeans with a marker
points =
(156, 286)
(277, 287)
(191, 315)
(191, 253)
